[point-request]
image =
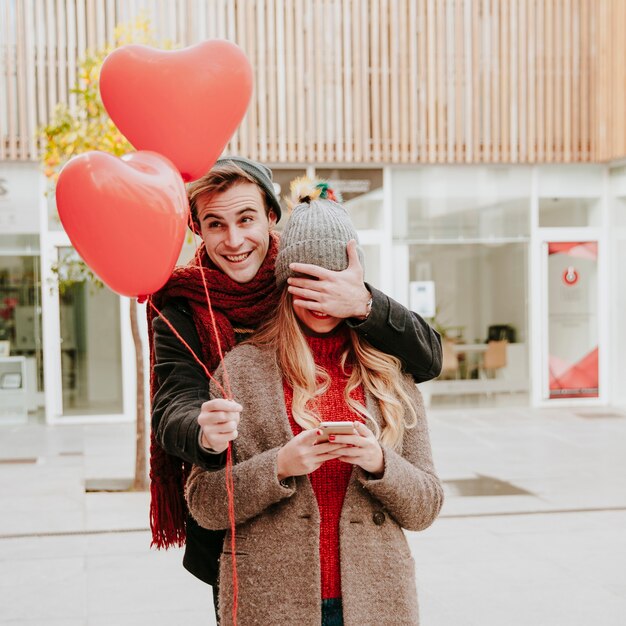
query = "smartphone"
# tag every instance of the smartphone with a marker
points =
(334, 428)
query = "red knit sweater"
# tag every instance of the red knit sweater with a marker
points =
(330, 481)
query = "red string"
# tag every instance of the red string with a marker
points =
(195, 356)
(213, 323)
(230, 483)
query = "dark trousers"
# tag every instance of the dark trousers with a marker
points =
(216, 596)
(332, 612)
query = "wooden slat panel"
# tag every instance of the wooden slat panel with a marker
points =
(347, 65)
(486, 103)
(363, 81)
(272, 109)
(375, 85)
(549, 81)
(20, 74)
(533, 80)
(302, 104)
(289, 84)
(4, 93)
(337, 139)
(431, 86)
(422, 82)
(413, 82)
(394, 86)
(72, 51)
(384, 79)
(460, 96)
(440, 46)
(472, 148)
(521, 99)
(364, 64)
(575, 79)
(504, 84)
(40, 61)
(449, 100)
(495, 82)
(29, 117)
(567, 81)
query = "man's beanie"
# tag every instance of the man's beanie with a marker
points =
(317, 232)
(260, 173)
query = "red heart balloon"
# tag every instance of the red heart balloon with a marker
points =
(185, 104)
(125, 216)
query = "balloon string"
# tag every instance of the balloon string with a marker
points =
(213, 323)
(230, 488)
(195, 356)
(230, 483)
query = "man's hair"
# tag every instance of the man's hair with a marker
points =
(218, 180)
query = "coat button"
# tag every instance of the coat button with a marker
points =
(379, 518)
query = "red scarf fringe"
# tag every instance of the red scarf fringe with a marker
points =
(249, 305)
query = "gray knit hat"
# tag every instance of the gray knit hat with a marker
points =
(317, 232)
(261, 173)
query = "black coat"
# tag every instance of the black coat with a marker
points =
(183, 388)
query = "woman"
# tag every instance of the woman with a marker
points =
(319, 525)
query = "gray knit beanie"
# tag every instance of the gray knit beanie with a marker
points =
(260, 173)
(317, 232)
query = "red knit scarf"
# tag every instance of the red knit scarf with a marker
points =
(233, 303)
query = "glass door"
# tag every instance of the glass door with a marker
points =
(572, 320)
(91, 364)
(89, 334)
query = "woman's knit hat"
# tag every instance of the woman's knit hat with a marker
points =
(317, 232)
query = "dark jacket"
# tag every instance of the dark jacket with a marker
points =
(183, 388)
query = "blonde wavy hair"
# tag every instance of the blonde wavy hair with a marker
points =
(378, 372)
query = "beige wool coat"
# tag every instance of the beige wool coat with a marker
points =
(277, 536)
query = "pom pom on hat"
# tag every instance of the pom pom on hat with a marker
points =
(304, 190)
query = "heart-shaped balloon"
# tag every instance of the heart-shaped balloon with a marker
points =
(125, 216)
(185, 104)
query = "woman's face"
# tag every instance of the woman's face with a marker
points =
(317, 322)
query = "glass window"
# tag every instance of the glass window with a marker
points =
(569, 195)
(20, 315)
(555, 212)
(480, 293)
(443, 203)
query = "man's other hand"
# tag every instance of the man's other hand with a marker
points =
(218, 421)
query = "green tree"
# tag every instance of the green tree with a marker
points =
(87, 126)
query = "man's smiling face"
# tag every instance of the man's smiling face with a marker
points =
(235, 228)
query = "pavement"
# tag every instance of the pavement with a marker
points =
(533, 531)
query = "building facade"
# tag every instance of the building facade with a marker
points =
(478, 145)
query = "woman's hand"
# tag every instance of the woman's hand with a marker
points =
(218, 420)
(301, 455)
(363, 449)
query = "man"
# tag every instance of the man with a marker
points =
(234, 208)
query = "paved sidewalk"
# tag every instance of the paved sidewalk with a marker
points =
(549, 549)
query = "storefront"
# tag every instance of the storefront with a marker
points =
(512, 264)
(65, 346)
(517, 266)
(21, 348)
